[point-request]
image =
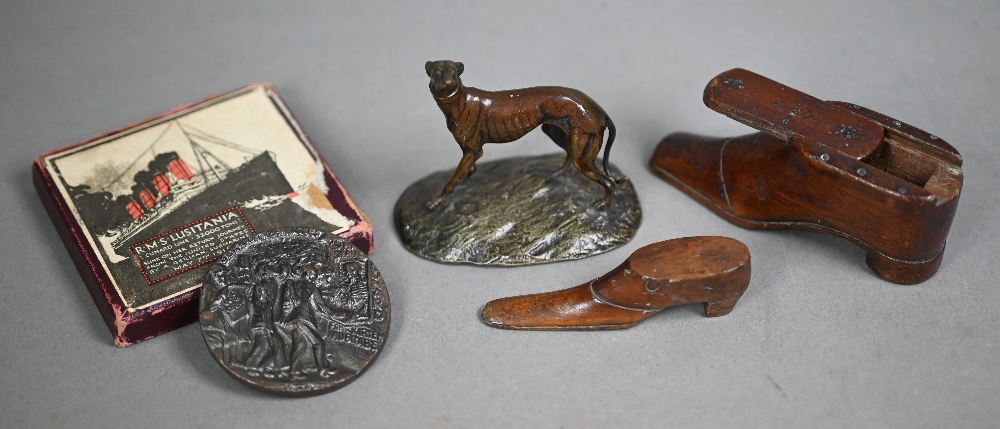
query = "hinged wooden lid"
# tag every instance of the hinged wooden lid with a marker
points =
(785, 112)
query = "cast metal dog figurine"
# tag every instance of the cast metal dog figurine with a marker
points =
(476, 117)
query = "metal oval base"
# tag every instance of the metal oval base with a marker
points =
(516, 211)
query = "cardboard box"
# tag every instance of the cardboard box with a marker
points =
(146, 209)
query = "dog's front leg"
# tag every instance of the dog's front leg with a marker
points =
(464, 169)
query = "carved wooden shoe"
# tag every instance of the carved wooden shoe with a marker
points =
(710, 270)
(832, 167)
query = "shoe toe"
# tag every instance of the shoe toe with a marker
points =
(692, 163)
(574, 308)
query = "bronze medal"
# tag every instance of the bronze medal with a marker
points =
(294, 312)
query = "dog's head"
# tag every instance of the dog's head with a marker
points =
(444, 77)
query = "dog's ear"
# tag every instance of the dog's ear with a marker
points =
(427, 68)
(461, 67)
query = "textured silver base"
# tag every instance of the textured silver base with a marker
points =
(516, 211)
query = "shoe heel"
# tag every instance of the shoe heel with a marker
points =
(720, 308)
(902, 271)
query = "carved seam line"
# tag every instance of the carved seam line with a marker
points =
(722, 176)
(604, 300)
(708, 201)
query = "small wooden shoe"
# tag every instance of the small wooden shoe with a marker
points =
(710, 270)
(825, 166)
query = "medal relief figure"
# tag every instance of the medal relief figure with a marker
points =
(281, 310)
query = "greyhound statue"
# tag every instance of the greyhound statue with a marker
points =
(476, 117)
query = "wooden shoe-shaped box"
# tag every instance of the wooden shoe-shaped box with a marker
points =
(832, 167)
(711, 270)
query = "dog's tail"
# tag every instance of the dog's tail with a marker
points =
(607, 151)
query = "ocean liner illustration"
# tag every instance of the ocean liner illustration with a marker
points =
(171, 191)
(177, 185)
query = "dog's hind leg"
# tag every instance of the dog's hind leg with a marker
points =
(585, 161)
(558, 135)
(591, 172)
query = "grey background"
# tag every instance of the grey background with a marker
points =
(817, 341)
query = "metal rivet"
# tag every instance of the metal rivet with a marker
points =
(824, 157)
(934, 137)
(897, 123)
(862, 172)
(733, 84)
(846, 131)
(901, 190)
